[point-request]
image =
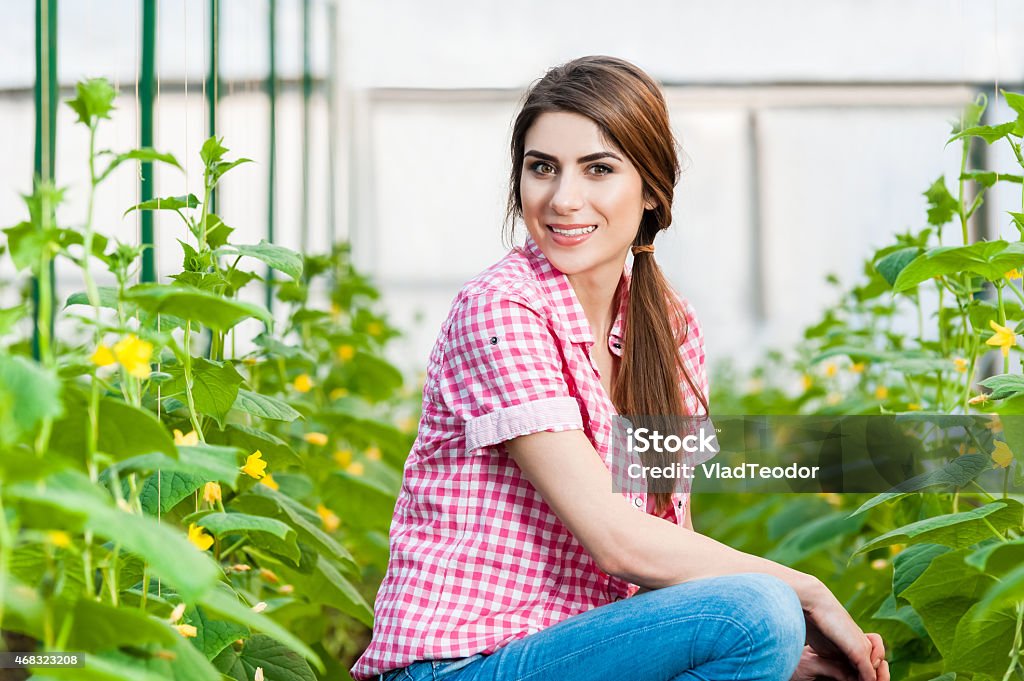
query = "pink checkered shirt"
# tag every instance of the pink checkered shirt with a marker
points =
(478, 559)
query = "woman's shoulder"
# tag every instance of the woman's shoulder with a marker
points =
(511, 279)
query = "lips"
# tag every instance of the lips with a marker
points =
(570, 239)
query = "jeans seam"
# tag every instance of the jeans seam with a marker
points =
(578, 652)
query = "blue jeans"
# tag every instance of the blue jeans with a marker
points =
(745, 627)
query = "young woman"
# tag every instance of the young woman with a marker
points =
(511, 555)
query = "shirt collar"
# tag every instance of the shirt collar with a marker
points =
(558, 289)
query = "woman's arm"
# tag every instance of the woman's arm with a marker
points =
(645, 550)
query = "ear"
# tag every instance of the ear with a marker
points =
(650, 204)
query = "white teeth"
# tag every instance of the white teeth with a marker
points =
(574, 232)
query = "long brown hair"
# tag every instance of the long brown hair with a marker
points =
(629, 108)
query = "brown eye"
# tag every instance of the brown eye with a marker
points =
(601, 169)
(542, 167)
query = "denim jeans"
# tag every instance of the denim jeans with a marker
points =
(745, 627)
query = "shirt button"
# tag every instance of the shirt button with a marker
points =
(639, 502)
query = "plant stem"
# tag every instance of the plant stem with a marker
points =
(193, 416)
(1018, 639)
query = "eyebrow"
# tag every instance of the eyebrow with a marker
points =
(582, 159)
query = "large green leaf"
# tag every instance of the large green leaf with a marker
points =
(955, 529)
(329, 588)
(892, 264)
(145, 155)
(1004, 386)
(943, 594)
(169, 553)
(989, 259)
(168, 203)
(264, 406)
(195, 304)
(214, 386)
(28, 394)
(224, 602)
(982, 643)
(211, 462)
(277, 661)
(99, 626)
(998, 557)
(213, 635)
(911, 563)
(1009, 591)
(124, 430)
(276, 452)
(164, 490)
(807, 540)
(957, 473)
(262, 531)
(280, 258)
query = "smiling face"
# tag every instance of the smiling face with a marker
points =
(582, 198)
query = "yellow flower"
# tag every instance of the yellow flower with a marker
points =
(343, 457)
(807, 381)
(187, 630)
(199, 537)
(176, 614)
(994, 424)
(287, 589)
(192, 439)
(59, 538)
(250, 361)
(211, 493)
(833, 499)
(269, 575)
(269, 481)
(331, 520)
(881, 392)
(913, 406)
(134, 354)
(374, 328)
(961, 364)
(373, 454)
(355, 468)
(303, 383)
(255, 466)
(978, 399)
(879, 564)
(831, 369)
(1013, 274)
(1001, 455)
(1004, 338)
(318, 439)
(338, 393)
(346, 352)
(407, 423)
(103, 356)
(335, 309)
(857, 367)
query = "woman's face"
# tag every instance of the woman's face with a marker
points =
(576, 182)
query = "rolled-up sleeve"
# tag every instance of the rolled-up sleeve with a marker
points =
(504, 372)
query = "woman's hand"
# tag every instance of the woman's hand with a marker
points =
(837, 646)
(814, 667)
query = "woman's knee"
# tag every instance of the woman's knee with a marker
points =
(771, 613)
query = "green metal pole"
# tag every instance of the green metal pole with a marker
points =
(213, 80)
(272, 164)
(46, 135)
(332, 119)
(147, 83)
(307, 92)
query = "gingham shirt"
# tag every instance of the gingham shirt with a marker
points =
(478, 559)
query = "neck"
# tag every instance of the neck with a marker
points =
(596, 293)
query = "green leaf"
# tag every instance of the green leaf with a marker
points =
(204, 307)
(957, 473)
(989, 133)
(277, 661)
(212, 150)
(98, 626)
(107, 295)
(124, 430)
(27, 243)
(223, 601)
(210, 462)
(264, 406)
(280, 258)
(941, 204)
(213, 635)
(262, 531)
(807, 540)
(998, 557)
(10, 316)
(168, 203)
(167, 551)
(95, 100)
(214, 386)
(276, 452)
(892, 264)
(982, 642)
(911, 563)
(987, 178)
(989, 259)
(955, 529)
(145, 155)
(1014, 100)
(164, 490)
(892, 611)
(330, 588)
(1004, 593)
(1004, 386)
(943, 594)
(28, 395)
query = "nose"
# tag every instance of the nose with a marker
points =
(568, 196)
